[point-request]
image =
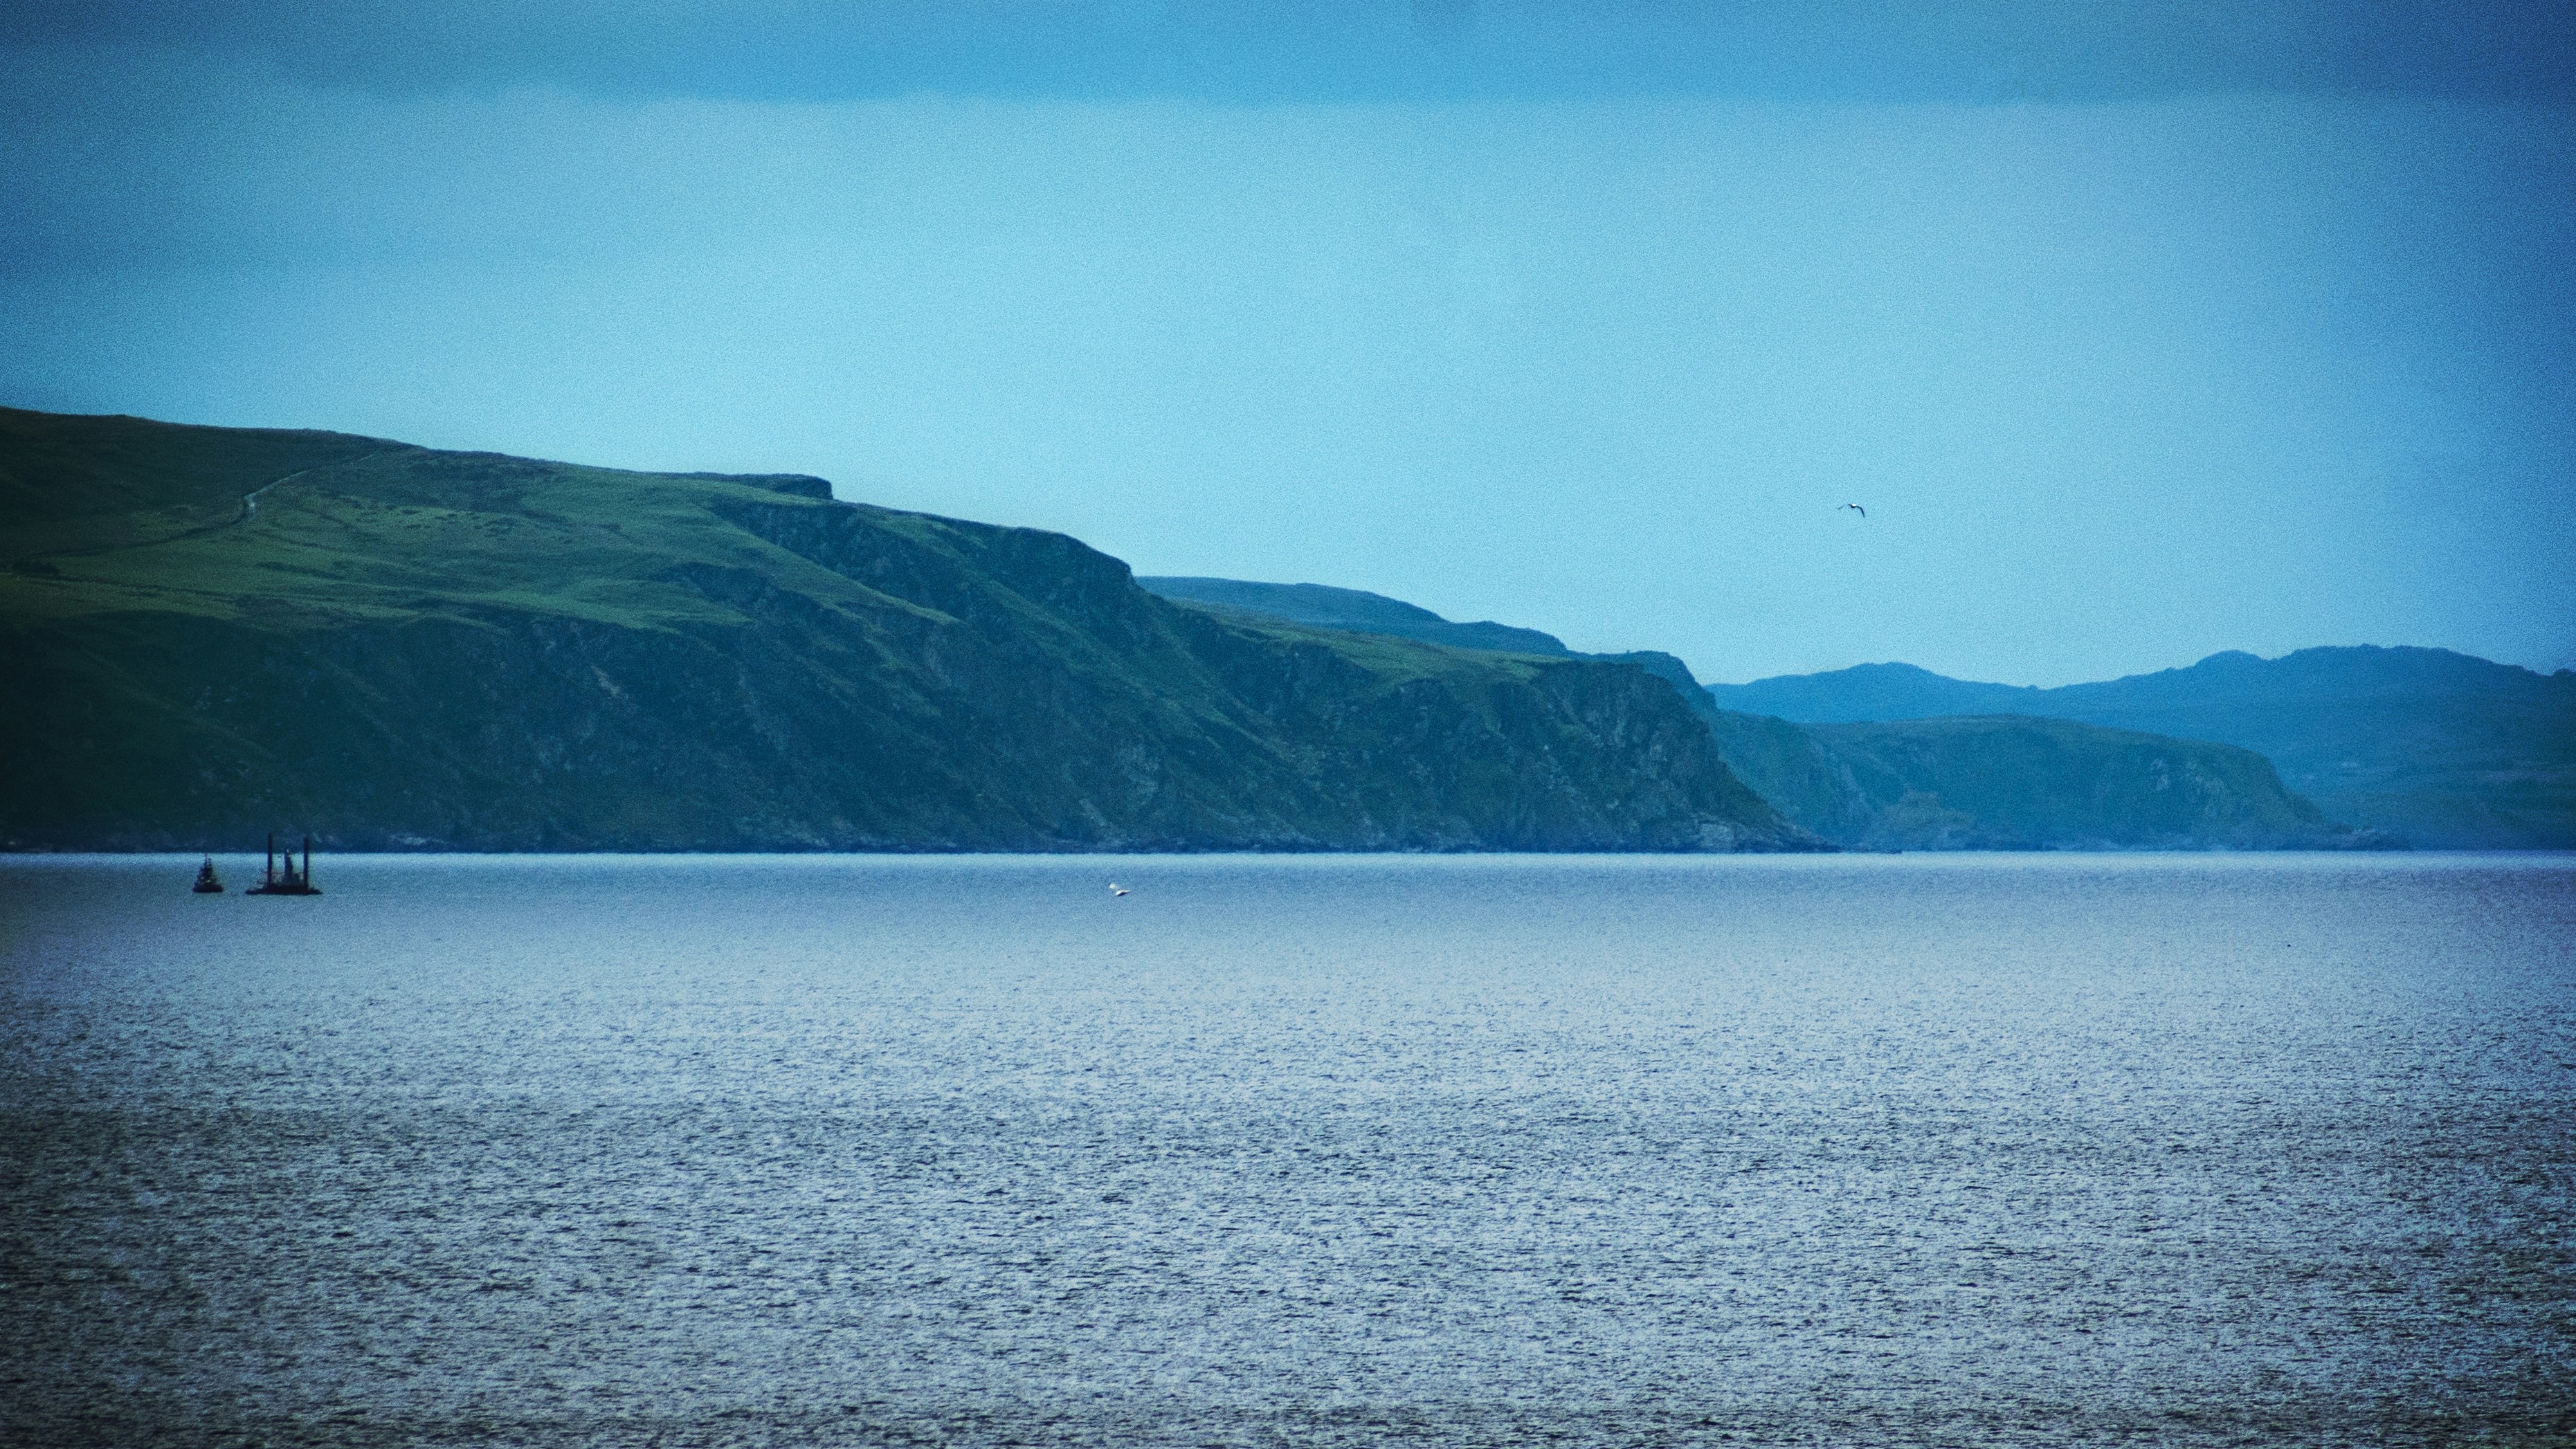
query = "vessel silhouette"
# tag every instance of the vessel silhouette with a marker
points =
(287, 881)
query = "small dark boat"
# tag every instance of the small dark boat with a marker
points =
(207, 883)
(289, 881)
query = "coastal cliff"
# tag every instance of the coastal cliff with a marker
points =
(1993, 783)
(213, 631)
(2008, 782)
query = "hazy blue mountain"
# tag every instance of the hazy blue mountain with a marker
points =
(210, 633)
(2438, 747)
(1952, 784)
(1872, 692)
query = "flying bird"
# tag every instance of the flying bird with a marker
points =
(1856, 508)
(1116, 889)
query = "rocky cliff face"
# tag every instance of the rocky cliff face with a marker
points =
(2013, 783)
(404, 648)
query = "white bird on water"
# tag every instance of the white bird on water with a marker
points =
(1116, 889)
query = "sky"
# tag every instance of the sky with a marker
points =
(2142, 331)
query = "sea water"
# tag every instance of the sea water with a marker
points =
(1291, 1150)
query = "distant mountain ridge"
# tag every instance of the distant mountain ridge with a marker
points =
(2003, 783)
(210, 633)
(2440, 748)
(1870, 692)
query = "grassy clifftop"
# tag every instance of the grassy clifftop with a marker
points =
(215, 632)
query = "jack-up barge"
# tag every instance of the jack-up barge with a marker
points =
(290, 881)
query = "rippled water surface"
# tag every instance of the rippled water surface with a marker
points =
(1320, 1150)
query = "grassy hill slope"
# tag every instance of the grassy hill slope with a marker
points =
(1354, 611)
(399, 646)
(1357, 611)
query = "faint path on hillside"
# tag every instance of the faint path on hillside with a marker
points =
(250, 500)
(249, 511)
(249, 508)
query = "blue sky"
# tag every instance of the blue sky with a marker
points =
(2143, 332)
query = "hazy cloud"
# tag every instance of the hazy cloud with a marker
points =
(1975, 50)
